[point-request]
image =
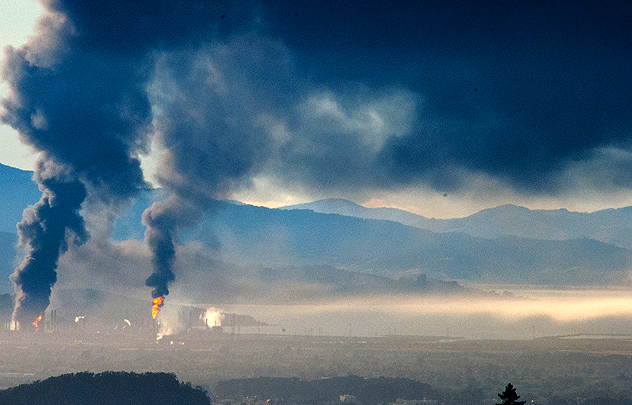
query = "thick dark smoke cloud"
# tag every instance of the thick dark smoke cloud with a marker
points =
(517, 92)
(208, 101)
(378, 97)
(43, 233)
(89, 114)
(339, 97)
(344, 97)
(78, 93)
(127, 28)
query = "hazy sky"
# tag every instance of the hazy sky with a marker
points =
(17, 18)
(442, 108)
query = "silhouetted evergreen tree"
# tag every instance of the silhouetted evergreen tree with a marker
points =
(509, 396)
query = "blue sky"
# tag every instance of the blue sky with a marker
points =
(442, 108)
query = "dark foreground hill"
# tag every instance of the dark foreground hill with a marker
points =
(108, 388)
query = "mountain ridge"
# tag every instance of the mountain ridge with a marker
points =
(608, 225)
(504, 244)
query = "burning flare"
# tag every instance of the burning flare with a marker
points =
(158, 302)
(36, 322)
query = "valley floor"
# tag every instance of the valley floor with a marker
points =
(544, 370)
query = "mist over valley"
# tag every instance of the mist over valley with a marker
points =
(338, 274)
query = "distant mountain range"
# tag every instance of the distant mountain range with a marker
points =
(505, 244)
(612, 226)
(248, 234)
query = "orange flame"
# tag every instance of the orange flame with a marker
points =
(158, 302)
(36, 322)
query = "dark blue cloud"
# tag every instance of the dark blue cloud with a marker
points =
(334, 95)
(518, 91)
(132, 27)
(43, 233)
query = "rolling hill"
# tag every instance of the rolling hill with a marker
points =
(504, 244)
(610, 226)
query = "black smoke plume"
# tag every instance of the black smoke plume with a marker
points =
(78, 93)
(86, 110)
(43, 233)
(212, 145)
(163, 219)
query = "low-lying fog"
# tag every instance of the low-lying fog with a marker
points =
(516, 313)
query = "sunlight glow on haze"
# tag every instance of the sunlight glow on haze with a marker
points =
(559, 305)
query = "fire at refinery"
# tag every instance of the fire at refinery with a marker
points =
(87, 312)
(157, 303)
(36, 322)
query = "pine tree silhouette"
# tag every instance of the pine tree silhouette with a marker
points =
(509, 396)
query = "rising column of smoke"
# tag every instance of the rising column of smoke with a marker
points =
(207, 127)
(43, 234)
(163, 219)
(87, 112)
(79, 95)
